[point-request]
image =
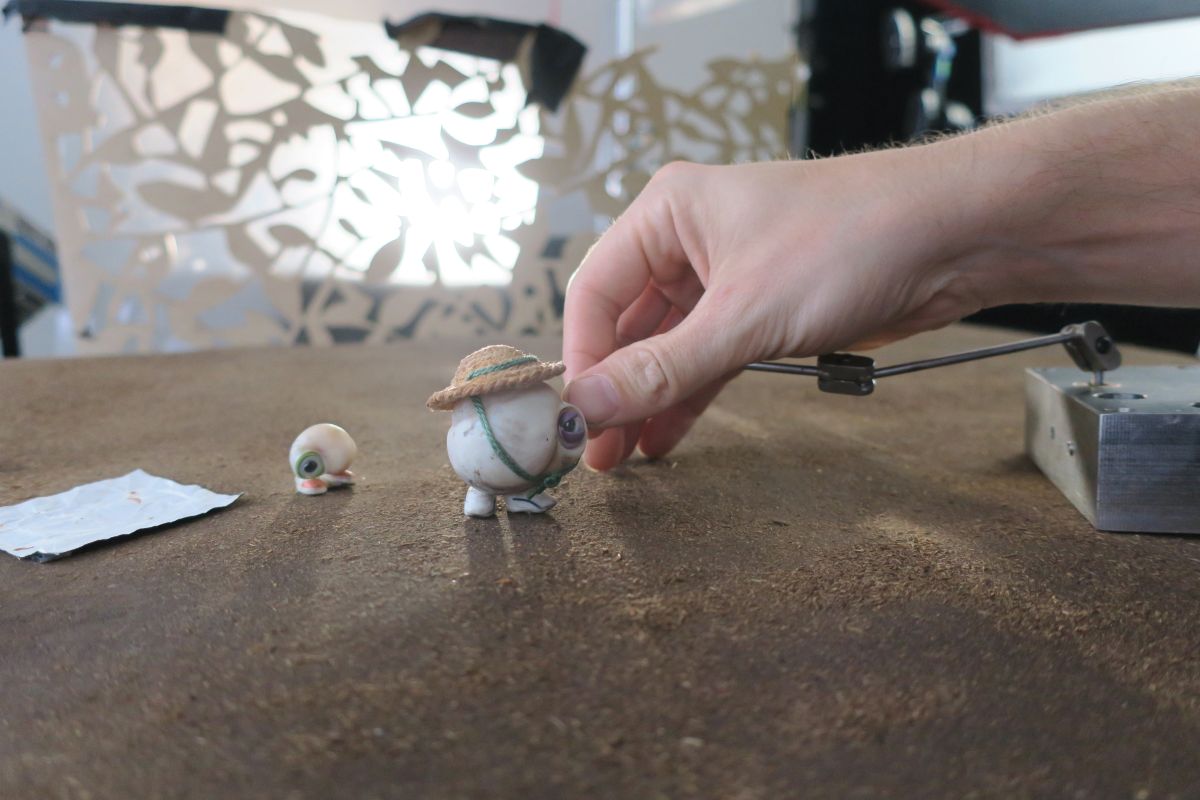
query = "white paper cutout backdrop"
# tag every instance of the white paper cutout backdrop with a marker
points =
(301, 179)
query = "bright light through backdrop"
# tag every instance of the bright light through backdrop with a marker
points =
(302, 179)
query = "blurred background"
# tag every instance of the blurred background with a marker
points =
(307, 173)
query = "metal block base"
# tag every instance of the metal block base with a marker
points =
(1126, 453)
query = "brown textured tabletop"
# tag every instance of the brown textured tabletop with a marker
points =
(816, 596)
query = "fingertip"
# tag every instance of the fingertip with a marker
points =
(660, 435)
(595, 396)
(604, 452)
(633, 432)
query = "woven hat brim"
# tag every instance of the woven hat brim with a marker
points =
(496, 382)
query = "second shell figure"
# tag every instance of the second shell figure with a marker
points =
(510, 434)
(321, 457)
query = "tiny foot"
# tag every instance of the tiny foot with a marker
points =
(312, 486)
(479, 504)
(520, 504)
(343, 478)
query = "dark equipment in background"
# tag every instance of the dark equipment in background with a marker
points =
(893, 71)
(554, 55)
(884, 72)
(9, 343)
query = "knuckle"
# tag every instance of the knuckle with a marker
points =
(675, 173)
(649, 373)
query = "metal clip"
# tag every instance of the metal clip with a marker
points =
(1089, 345)
(843, 373)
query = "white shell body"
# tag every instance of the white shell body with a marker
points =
(525, 422)
(332, 442)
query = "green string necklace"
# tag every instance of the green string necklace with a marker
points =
(547, 480)
(503, 365)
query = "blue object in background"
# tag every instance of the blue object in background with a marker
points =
(29, 276)
(37, 281)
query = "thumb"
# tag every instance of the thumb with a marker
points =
(648, 377)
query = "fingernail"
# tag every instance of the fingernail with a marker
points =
(595, 396)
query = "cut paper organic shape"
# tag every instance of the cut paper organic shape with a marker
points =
(303, 180)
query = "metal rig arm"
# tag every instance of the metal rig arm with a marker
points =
(1089, 345)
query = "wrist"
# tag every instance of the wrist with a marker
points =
(1001, 193)
(1096, 203)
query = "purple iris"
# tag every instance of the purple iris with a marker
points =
(571, 428)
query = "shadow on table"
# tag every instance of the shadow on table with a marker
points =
(535, 545)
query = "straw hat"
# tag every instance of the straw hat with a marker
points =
(495, 368)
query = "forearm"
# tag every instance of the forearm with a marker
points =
(1098, 202)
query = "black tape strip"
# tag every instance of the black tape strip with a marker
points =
(188, 18)
(555, 57)
(10, 346)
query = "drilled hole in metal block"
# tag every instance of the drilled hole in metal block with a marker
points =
(1119, 396)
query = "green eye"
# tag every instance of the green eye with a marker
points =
(310, 465)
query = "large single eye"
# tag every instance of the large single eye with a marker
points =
(571, 427)
(310, 465)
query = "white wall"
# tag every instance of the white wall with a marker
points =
(1022, 73)
(23, 180)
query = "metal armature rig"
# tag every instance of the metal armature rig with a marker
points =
(1126, 455)
(1089, 345)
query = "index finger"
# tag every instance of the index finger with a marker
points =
(643, 245)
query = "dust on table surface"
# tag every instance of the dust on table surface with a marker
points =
(815, 595)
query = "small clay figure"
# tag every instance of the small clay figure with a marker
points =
(320, 458)
(511, 435)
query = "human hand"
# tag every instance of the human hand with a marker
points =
(714, 267)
